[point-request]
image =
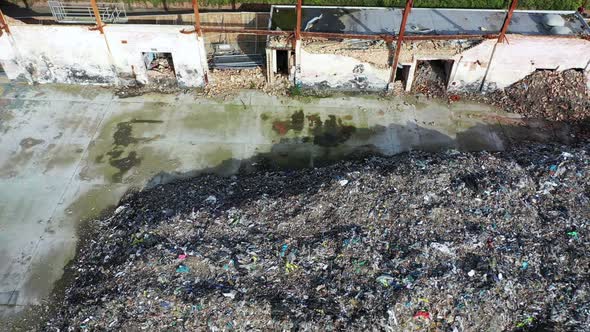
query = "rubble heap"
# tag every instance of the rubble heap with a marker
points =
(552, 95)
(429, 80)
(227, 81)
(447, 241)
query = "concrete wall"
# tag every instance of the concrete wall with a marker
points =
(522, 56)
(74, 54)
(50, 54)
(127, 42)
(512, 61)
(339, 72)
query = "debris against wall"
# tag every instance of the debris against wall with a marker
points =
(522, 56)
(512, 61)
(334, 71)
(551, 95)
(73, 54)
(128, 42)
(227, 82)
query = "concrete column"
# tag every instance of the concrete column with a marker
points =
(269, 64)
(203, 55)
(297, 67)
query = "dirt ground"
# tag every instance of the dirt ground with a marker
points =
(446, 241)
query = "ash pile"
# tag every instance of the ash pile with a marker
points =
(446, 241)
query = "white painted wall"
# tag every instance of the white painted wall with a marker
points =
(338, 72)
(56, 54)
(522, 56)
(470, 67)
(74, 54)
(8, 59)
(512, 61)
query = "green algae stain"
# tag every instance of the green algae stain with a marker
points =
(114, 152)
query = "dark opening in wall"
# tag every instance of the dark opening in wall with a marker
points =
(2, 72)
(160, 66)
(402, 74)
(545, 69)
(283, 62)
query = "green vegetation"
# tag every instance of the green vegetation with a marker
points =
(523, 4)
(474, 4)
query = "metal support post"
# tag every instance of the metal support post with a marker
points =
(502, 36)
(400, 39)
(97, 17)
(3, 24)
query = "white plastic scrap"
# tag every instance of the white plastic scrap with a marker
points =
(211, 199)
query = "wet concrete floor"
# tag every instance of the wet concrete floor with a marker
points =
(68, 152)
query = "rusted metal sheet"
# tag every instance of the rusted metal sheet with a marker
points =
(513, 5)
(197, 18)
(346, 36)
(400, 39)
(244, 31)
(387, 38)
(450, 37)
(3, 24)
(99, 25)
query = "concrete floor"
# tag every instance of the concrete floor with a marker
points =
(68, 152)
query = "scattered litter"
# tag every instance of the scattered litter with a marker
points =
(386, 280)
(491, 248)
(422, 314)
(182, 269)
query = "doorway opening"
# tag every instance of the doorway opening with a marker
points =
(402, 73)
(160, 66)
(2, 72)
(283, 62)
(432, 75)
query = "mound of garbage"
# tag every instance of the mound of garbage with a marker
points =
(429, 80)
(558, 96)
(444, 241)
(551, 95)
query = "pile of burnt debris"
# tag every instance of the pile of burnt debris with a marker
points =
(552, 95)
(417, 241)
